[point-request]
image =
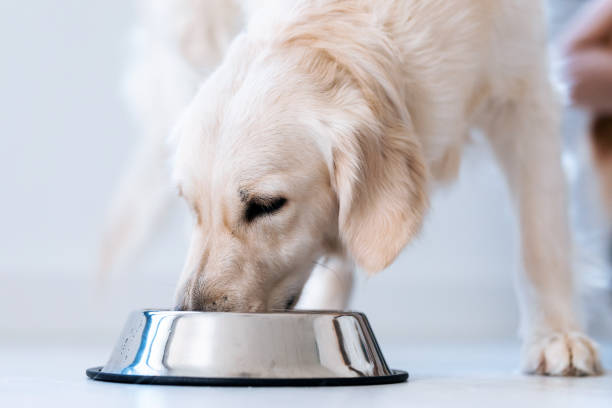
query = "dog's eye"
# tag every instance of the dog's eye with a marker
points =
(256, 208)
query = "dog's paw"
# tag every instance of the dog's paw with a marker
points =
(561, 354)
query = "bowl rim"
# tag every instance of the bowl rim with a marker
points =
(267, 313)
(396, 376)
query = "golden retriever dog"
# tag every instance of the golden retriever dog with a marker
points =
(318, 131)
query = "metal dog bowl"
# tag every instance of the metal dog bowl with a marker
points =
(221, 348)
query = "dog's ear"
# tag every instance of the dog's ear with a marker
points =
(380, 181)
(377, 169)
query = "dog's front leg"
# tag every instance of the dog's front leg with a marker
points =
(329, 286)
(524, 135)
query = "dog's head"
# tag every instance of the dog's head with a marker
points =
(286, 153)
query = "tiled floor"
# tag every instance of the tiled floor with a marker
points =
(457, 376)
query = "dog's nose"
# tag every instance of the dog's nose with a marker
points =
(221, 303)
(207, 304)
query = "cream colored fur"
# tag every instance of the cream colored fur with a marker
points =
(353, 111)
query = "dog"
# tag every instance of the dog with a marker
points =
(318, 131)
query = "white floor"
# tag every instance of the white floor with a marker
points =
(457, 376)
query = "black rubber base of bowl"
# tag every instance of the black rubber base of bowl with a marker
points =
(95, 373)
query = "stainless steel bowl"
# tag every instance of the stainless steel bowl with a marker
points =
(220, 348)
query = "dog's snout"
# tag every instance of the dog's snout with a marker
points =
(204, 301)
(212, 304)
(208, 303)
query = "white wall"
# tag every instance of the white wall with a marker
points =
(65, 137)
